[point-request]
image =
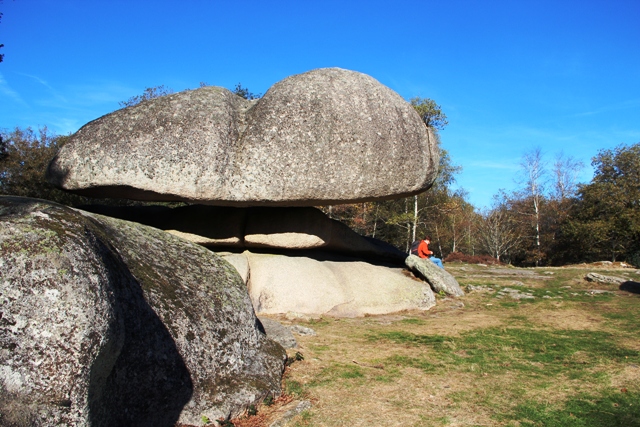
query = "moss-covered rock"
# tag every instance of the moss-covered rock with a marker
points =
(108, 322)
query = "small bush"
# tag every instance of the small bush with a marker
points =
(296, 358)
(634, 259)
(472, 259)
(268, 401)
(252, 410)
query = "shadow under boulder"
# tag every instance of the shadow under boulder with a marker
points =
(630, 286)
(257, 229)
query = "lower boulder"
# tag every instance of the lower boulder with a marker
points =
(105, 322)
(280, 284)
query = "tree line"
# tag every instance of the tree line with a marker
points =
(552, 219)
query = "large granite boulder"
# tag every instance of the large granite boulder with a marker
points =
(267, 228)
(105, 322)
(280, 284)
(327, 136)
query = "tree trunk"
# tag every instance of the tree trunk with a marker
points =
(415, 217)
(406, 211)
(438, 237)
(364, 217)
(537, 212)
(375, 221)
(453, 232)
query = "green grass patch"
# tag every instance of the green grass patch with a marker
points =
(349, 371)
(625, 319)
(402, 337)
(339, 372)
(546, 294)
(318, 322)
(610, 410)
(412, 321)
(294, 388)
(535, 352)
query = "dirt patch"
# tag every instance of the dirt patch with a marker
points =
(628, 378)
(567, 319)
(462, 322)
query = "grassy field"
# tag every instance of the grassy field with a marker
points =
(564, 354)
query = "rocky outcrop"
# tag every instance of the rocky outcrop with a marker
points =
(280, 284)
(327, 136)
(439, 279)
(601, 278)
(105, 322)
(289, 229)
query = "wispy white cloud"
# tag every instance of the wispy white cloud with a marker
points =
(630, 103)
(64, 126)
(59, 97)
(6, 90)
(101, 92)
(507, 164)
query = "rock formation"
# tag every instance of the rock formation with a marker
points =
(105, 322)
(600, 278)
(280, 284)
(310, 264)
(327, 136)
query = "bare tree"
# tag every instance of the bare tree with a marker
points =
(565, 176)
(497, 232)
(532, 164)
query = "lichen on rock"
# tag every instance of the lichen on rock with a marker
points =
(105, 322)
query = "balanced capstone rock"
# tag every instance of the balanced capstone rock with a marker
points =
(327, 136)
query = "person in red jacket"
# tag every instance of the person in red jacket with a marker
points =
(423, 248)
(424, 252)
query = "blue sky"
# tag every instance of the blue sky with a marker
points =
(510, 75)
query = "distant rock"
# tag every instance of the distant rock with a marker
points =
(516, 294)
(302, 330)
(600, 278)
(439, 279)
(327, 136)
(106, 322)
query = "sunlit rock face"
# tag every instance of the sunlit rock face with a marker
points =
(323, 137)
